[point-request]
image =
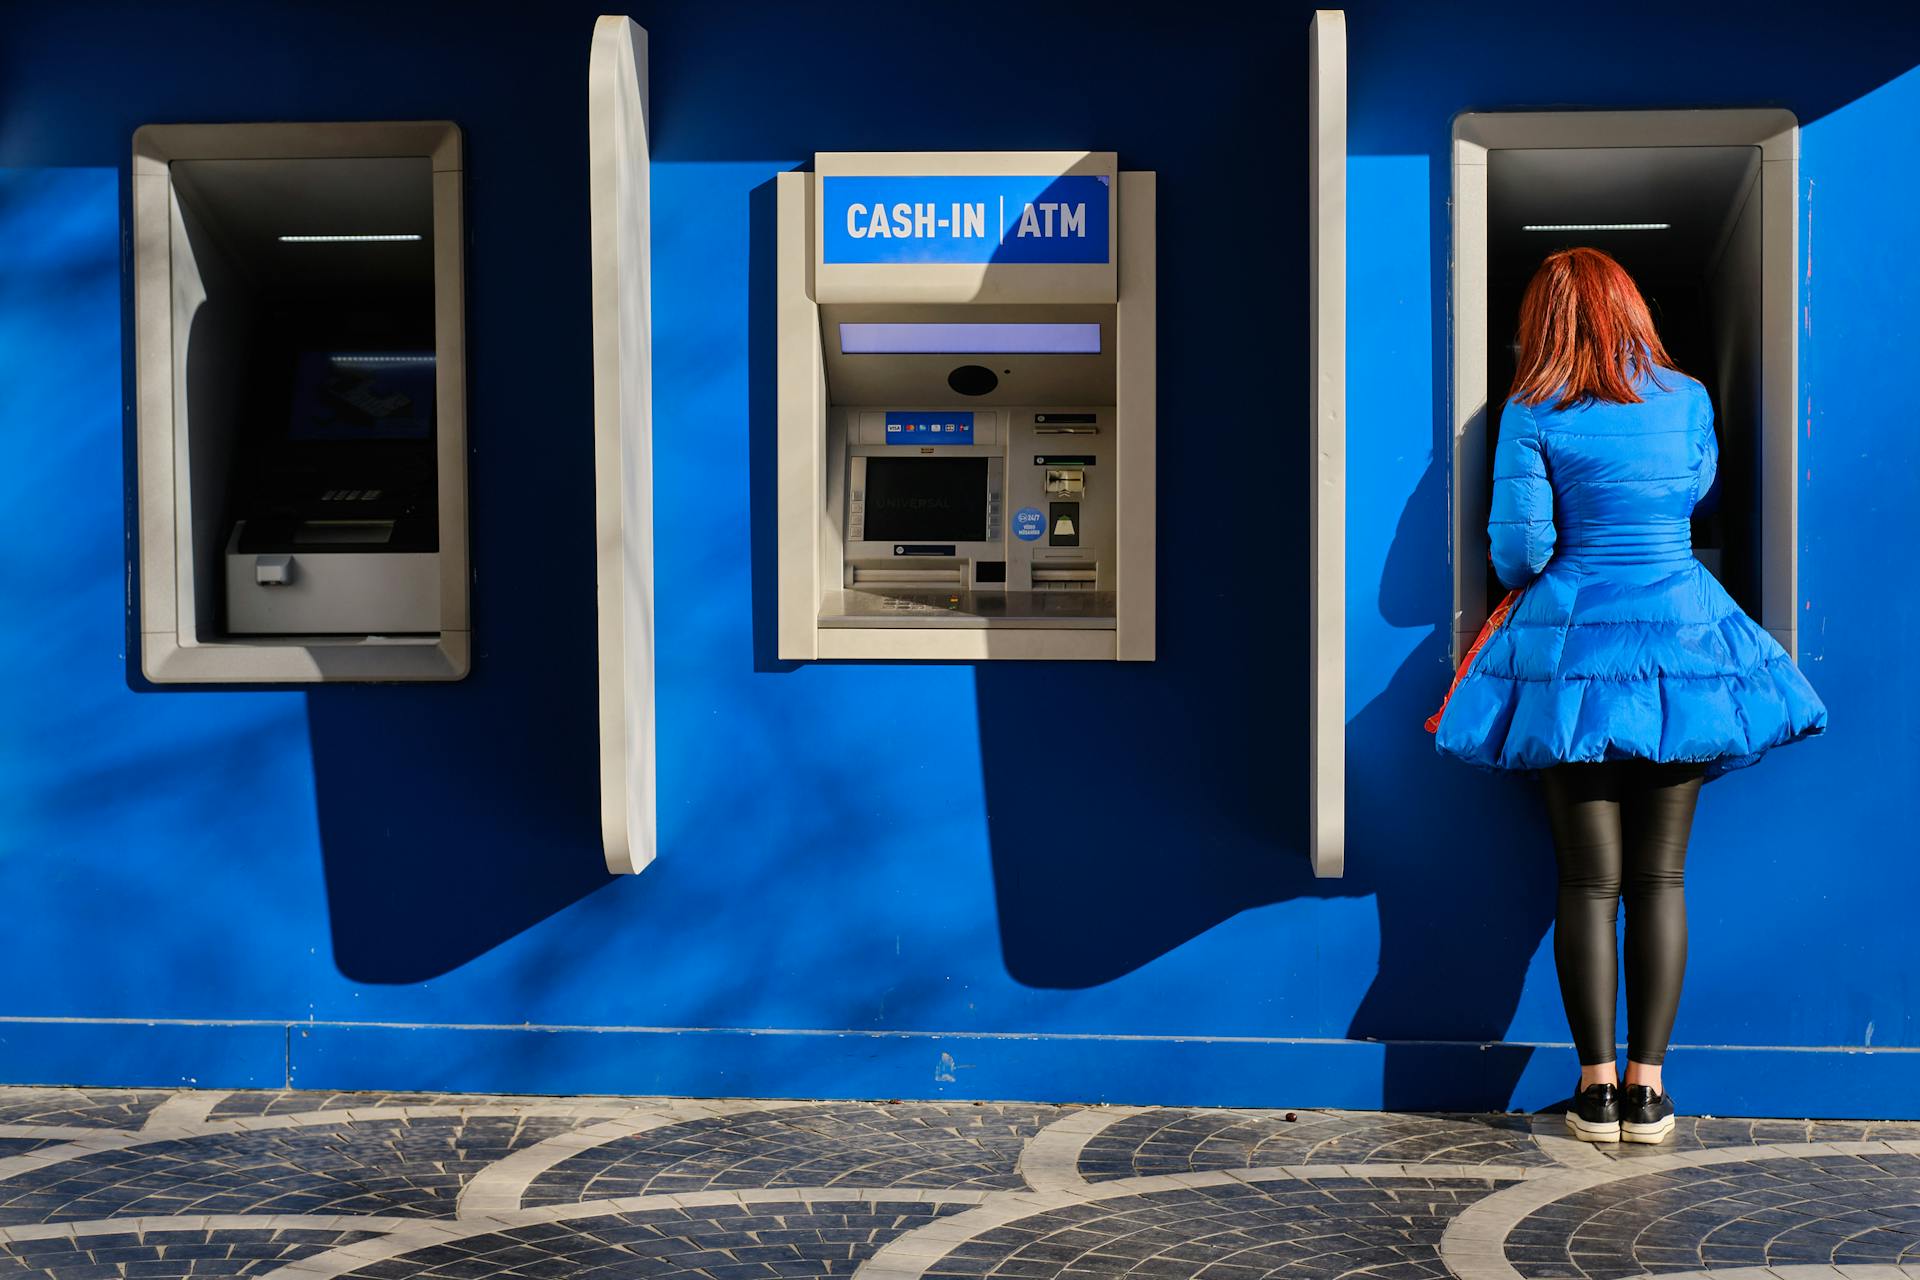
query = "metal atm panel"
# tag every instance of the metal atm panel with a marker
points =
(966, 407)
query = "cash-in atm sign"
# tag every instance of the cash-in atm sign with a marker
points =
(1033, 219)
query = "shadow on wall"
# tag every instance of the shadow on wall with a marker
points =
(413, 894)
(1133, 807)
(763, 441)
(453, 817)
(1187, 786)
(441, 835)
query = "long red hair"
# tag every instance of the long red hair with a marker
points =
(1585, 333)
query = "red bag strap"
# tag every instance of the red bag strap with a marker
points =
(1493, 623)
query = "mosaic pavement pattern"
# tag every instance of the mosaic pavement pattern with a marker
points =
(405, 1167)
(845, 1145)
(167, 1253)
(117, 1184)
(1176, 1140)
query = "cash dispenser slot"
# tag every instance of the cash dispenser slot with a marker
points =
(1057, 576)
(859, 576)
(358, 533)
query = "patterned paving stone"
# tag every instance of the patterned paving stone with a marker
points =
(1752, 1211)
(285, 1102)
(1694, 1133)
(832, 1145)
(398, 1167)
(163, 1254)
(1384, 1227)
(1834, 1210)
(741, 1242)
(83, 1108)
(1177, 1140)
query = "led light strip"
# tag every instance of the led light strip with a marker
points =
(1599, 226)
(344, 239)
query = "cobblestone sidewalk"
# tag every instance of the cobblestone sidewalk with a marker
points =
(297, 1186)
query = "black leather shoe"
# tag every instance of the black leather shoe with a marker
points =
(1595, 1114)
(1645, 1115)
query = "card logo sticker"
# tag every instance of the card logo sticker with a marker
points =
(946, 426)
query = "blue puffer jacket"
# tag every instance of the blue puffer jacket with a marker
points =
(1622, 645)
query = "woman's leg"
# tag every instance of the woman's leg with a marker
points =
(1583, 808)
(1656, 816)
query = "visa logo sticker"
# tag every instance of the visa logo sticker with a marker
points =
(998, 218)
(945, 427)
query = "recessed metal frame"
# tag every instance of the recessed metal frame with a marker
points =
(171, 649)
(1777, 134)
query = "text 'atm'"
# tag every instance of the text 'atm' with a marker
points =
(966, 407)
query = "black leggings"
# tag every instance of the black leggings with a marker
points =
(1621, 826)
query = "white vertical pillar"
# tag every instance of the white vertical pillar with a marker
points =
(619, 203)
(1327, 250)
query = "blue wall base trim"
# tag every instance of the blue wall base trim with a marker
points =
(1411, 1075)
(1362, 1075)
(175, 1055)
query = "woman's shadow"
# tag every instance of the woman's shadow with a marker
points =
(1174, 797)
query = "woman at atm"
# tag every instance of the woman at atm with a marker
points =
(1618, 669)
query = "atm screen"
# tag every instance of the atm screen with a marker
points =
(347, 395)
(926, 499)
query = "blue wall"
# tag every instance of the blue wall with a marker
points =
(400, 887)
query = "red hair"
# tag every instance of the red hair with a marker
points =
(1585, 333)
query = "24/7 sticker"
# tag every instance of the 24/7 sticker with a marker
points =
(1029, 524)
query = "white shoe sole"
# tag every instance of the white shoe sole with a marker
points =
(1658, 1131)
(1589, 1132)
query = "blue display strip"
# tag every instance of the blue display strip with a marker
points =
(1034, 218)
(930, 428)
(967, 338)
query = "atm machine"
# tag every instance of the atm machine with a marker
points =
(335, 522)
(966, 407)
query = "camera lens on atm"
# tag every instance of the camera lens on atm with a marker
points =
(973, 380)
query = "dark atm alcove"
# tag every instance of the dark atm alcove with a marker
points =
(1702, 208)
(1694, 250)
(310, 394)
